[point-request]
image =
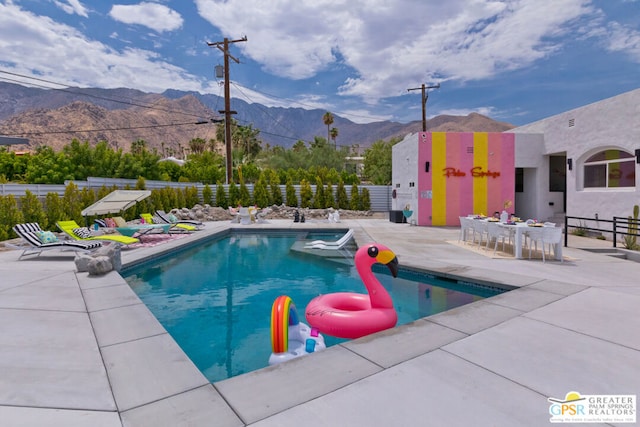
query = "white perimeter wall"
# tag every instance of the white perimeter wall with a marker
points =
(404, 171)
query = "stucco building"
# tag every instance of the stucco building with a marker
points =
(584, 162)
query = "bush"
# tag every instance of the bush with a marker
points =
(221, 196)
(365, 200)
(32, 210)
(292, 199)
(274, 183)
(234, 194)
(329, 201)
(207, 195)
(10, 215)
(54, 210)
(306, 194)
(318, 199)
(341, 196)
(245, 196)
(354, 205)
(191, 197)
(261, 193)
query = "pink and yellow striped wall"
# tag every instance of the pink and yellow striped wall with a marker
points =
(469, 173)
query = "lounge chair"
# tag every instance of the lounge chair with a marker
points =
(338, 244)
(181, 223)
(35, 240)
(74, 231)
(173, 228)
(126, 229)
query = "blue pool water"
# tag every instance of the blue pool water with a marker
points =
(215, 299)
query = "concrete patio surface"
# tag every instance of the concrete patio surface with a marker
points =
(77, 350)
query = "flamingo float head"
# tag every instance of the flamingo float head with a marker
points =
(377, 253)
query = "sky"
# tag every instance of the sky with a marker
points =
(516, 61)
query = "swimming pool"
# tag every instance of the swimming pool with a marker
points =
(215, 299)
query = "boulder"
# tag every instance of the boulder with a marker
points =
(99, 265)
(94, 262)
(112, 251)
(82, 262)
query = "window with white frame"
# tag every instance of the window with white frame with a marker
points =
(610, 169)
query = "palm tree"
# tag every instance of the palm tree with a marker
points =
(327, 119)
(334, 134)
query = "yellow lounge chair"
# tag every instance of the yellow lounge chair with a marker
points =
(175, 227)
(71, 229)
(166, 218)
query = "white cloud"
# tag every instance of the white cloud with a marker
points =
(364, 116)
(65, 55)
(624, 39)
(394, 45)
(72, 7)
(158, 17)
(485, 111)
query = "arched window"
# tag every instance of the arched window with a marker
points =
(610, 169)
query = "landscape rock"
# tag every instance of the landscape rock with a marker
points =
(82, 262)
(95, 263)
(99, 265)
(112, 251)
(214, 213)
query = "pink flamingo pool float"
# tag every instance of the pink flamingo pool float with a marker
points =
(352, 315)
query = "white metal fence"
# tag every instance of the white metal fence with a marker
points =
(380, 195)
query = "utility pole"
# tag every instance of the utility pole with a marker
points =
(425, 96)
(224, 47)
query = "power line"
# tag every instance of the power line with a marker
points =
(131, 101)
(313, 107)
(54, 132)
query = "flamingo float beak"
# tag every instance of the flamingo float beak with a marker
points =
(388, 258)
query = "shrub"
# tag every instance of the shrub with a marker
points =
(292, 199)
(306, 194)
(365, 200)
(207, 195)
(221, 196)
(342, 198)
(318, 199)
(32, 210)
(234, 194)
(245, 197)
(354, 205)
(191, 197)
(329, 201)
(10, 215)
(261, 193)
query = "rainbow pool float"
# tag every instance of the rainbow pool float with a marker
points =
(291, 338)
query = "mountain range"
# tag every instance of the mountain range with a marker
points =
(54, 117)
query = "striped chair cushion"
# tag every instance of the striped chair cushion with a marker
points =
(82, 232)
(29, 226)
(28, 232)
(83, 245)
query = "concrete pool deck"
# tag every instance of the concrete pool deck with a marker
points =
(84, 351)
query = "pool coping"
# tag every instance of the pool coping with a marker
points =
(152, 380)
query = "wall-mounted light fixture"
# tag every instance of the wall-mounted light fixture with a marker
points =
(426, 166)
(570, 164)
(638, 156)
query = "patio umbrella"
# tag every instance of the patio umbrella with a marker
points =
(116, 202)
